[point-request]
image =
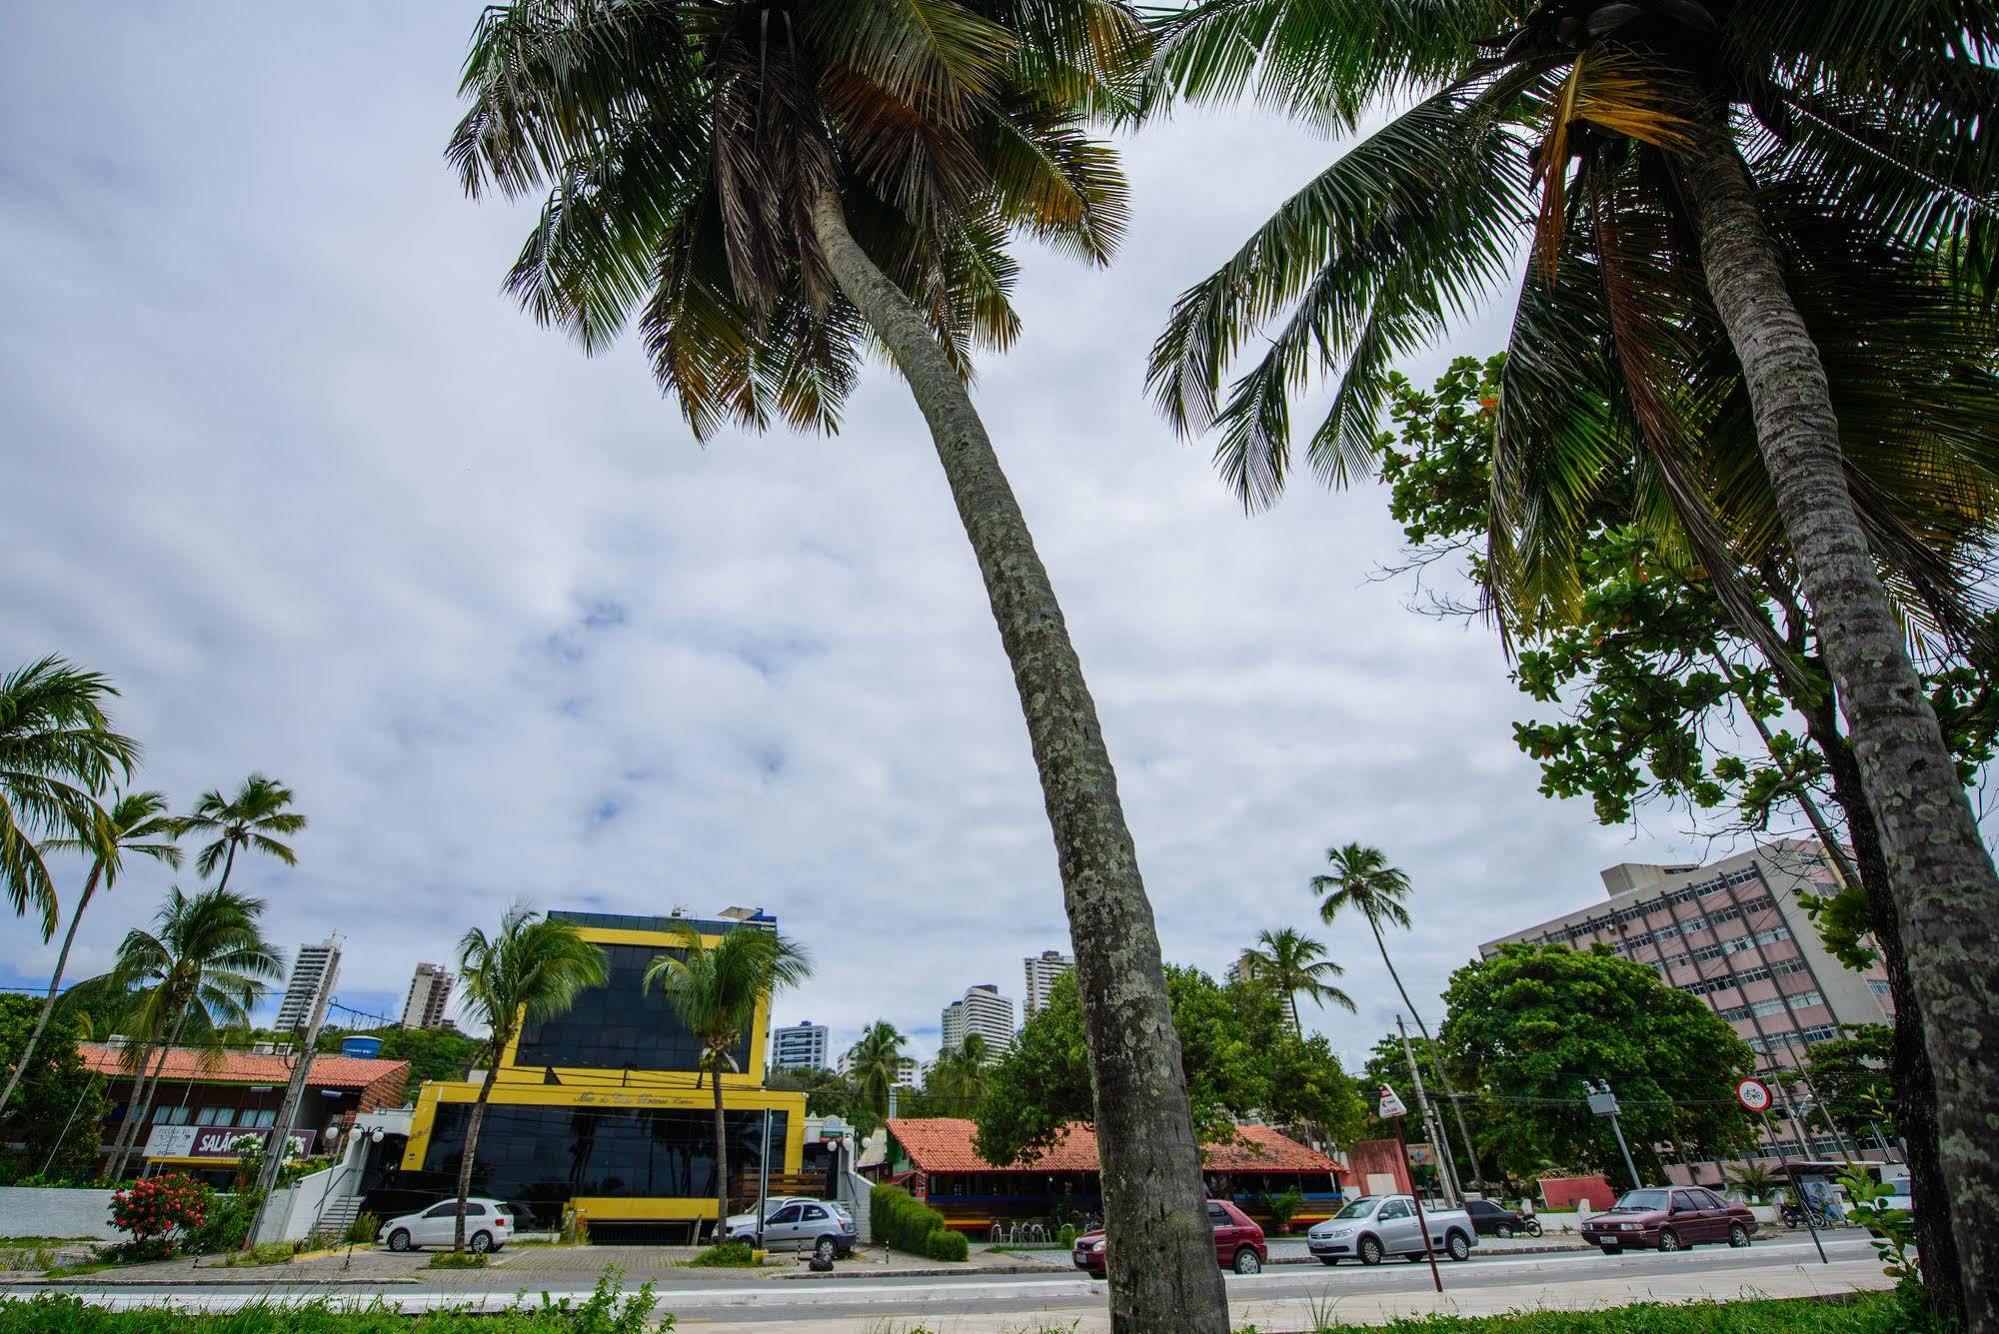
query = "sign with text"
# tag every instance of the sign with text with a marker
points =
(215, 1141)
(1391, 1105)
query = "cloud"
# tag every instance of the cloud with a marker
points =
(281, 460)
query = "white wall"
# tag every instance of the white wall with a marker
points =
(34, 1211)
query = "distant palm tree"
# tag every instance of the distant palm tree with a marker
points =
(960, 1075)
(1363, 880)
(259, 810)
(205, 965)
(529, 971)
(875, 1064)
(133, 822)
(57, 752)
(715, 990)
(1294, 964)
(1755, 1180)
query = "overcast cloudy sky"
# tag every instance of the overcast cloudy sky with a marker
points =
(281, 460)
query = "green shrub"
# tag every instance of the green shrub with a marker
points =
(265, 1253)
(361, 1232)
(944, 1244)
(1065, 1237)
(898, 1219)
(727, 1255)
(457, 1260)
(225, 1225)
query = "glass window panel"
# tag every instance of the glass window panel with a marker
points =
(620, 1025)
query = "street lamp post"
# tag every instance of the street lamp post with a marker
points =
(1604, 1103)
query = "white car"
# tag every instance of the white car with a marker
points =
(489, 1225)
(797, 1223)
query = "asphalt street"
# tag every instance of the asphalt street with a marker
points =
(1055, 1297)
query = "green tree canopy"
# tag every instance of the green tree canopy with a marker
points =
(1240, 1053)
(58, 1108)
(1527, 1026)
(1849, 1076)
(434, 1054)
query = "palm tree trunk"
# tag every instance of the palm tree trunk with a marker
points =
(1436, 1056)
(143, 1093)
(1945, 889)
(228, 865)
(472, 1125)
(721, 1156)
(55, 984)
(1162, 1272)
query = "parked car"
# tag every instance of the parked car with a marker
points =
(1496, 1220)
(1238, 1243)
(1670, 1219)
(1374, 1226)
(797, 1223)
(489, 1225)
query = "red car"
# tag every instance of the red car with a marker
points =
(1669, 1219)
(1238, 1243)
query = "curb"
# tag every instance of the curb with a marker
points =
(979, 1271)
(1510, 1250)
(188, 1281)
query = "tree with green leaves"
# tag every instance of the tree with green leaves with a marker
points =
(257, 818)
(57, 752)
(527, 972)
(960, 1076)
(1660, 691)
(435, 1054)
(134, 823)
(1362, 880)
(1755, 1180)
(1525, 1027)
(827, 1092)
(775, 191)
(1764, 255)
(57, 1112)
(1243, 1058)
(1850, 1077)
(715, 990)
(201, 970)
(1293, 964)
(874, 1065)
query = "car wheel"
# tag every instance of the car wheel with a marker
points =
(399, 1240)
(1247, 1263)
(1503, 1232)
(1370, 1251)
(824, 1248)
(1458, 1246)
(1328, 1261)
(1738, 1235)
(1669, 1240)
(481, 1242)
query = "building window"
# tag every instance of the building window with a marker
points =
(538, 1158)
(620, 1025)
(216, 1116)
(171, 1116)
(258, 1119)
(1879, 988)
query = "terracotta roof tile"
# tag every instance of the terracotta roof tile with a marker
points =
(944, 1144)
(246, 1067)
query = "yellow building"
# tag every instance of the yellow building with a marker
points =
(598, 1108)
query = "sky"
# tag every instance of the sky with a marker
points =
(278, 456)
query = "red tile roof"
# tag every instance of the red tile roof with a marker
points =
(383, 1079)
(944, 1144)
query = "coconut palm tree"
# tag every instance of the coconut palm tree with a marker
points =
(57, 752)
(1293, 964)
(958, 1078)
(527, 972)
(774, 190)
(875, 1064)
(1363, 881)
(202, 969)
(715, 990)
(260, 810)
(130, 823)
(1758, 223)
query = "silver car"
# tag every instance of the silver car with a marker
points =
(797, 1223)
(1375, 1226)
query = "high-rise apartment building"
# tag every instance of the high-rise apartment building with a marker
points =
(315, 967)
(1041, 975)
(985, 1012)
(1734, 934)
(799, 1047)
(430, 992)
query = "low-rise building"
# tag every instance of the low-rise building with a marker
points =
(800, 1046)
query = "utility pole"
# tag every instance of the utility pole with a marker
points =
(1447, 1172)
(274, 1151)
(1604, 1103)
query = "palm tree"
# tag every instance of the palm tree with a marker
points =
(528, 972)
(204, 967)
(958, 1078)
(715, 990)
(132, 822)
(1363, 880)
(1754, 1180)
(773, 190)
(1759, 223)
(57, 751)
(874, 1064)
(1293, 964)
(250, 819)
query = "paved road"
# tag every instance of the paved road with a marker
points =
(1059, 1299)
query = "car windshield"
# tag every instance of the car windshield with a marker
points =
(1360, 1208)
(1643, 1199)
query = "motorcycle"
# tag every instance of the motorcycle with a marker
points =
(1531, 1226)
(1793, 1216)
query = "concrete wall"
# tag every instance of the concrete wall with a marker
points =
(33, 1211)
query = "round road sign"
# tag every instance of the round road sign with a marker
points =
(1754, 1095)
